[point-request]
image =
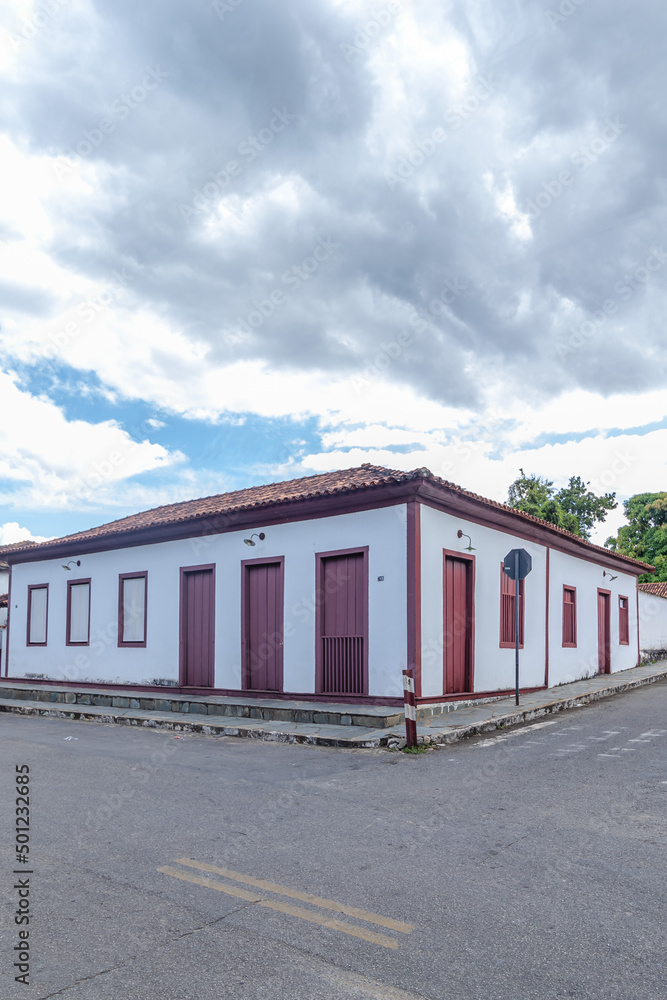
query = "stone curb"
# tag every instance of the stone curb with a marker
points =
(371, 739)
(550, 708)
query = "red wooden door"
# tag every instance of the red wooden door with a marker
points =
(343, 624)
(263, 626)
(197, 627)
(458, 625)
(604, 632)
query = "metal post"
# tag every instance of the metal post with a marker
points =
(516, 623)
(410, 708)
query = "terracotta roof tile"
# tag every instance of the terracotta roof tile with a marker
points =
(324, 484)
(659, 589)
(12, 547)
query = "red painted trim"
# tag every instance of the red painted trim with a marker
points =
(466, 507)
(441, 699)
(31, 587)
(440, 497)
(601, 590)
(121, 609)
(70, 584)
(624, 642)
(319, 588)
(546, 620)
(569, 645)
(182, 623)
(414, 651)
(470, 583)
(339, 699)
(504, 643)
(245, 617)
(9, 615)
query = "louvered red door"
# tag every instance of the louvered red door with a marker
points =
(604, 632)
(197, 626)
(342, 638)
(263, 626)
(458, 625)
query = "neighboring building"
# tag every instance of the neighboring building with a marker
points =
(4, 587)
(653, 621)
(326, 586)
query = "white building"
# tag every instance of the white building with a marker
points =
(653, 621)
(351, 577)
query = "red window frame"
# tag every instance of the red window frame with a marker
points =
(31, 587)
(507, 616)
(70, 584)
(569, 628)
(623, 621)
(121, 608)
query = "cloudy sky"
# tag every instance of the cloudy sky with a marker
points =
(247, 240)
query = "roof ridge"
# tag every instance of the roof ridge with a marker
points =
(334, 481)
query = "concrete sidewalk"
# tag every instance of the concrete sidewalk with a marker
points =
(452, 724)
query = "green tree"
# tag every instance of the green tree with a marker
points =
(573, 507)
(584, 505)
(645, 535)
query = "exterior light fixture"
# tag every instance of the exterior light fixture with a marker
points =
(462, 534)
(77, 562)
(249, 541)
(610, 575)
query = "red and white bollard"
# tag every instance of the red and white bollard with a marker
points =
(410, 708)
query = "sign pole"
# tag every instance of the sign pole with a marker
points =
(516, 623)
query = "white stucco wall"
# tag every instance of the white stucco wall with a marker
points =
(383, 531)
(652, 623)
(493, 666)
(569, 664)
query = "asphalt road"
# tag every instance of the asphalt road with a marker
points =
(527, 865)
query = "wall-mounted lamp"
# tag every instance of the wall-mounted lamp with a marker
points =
(249, 541)
(610, 575)
(462, 534)
(77, 562)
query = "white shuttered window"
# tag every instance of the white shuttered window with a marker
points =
(133, 599)
(79, 613)
(37, 604)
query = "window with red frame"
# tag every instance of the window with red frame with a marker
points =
(569, 616)
(507, 598)
(623, 621)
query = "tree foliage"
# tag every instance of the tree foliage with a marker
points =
(574, 507)
(645, 535)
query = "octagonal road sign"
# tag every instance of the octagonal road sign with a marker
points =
(525, 564)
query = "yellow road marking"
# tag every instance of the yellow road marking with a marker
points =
(250, 897)
(305, 897)
(293, 911)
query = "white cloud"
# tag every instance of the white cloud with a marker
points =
(60, 463)
(11, 532)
